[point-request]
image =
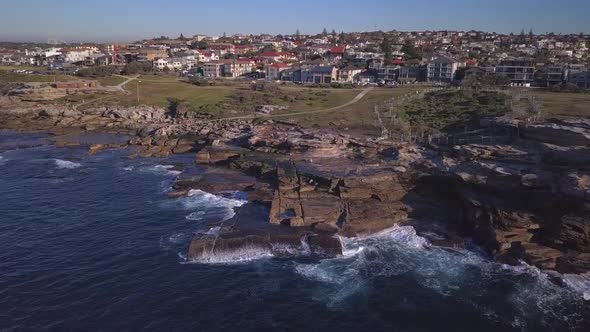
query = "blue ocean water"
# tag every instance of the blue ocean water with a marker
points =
(93, 243)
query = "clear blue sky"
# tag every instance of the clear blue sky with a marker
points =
(127, 20)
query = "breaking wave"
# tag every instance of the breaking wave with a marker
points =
(160, 169)
(241, 255)
(400, 254)
(65, 164)
(209, 206)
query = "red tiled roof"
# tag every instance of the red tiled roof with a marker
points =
(338, 50)
(398, 62)
(270, 54)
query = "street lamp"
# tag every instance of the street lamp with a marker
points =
(138, 91)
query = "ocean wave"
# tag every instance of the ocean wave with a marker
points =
(65, 164)
(211, 206)
(238, 256)
(579, 283)
(161, 170)
(455, 273)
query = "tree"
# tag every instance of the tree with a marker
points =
(201, 45)
(333, 32)
(342, 38)
(297, 35)
(386, 48)
(531, 34)
(411, 51)
(182, 37)
(224, 35)
(324, 32)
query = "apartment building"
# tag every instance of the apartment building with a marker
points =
(442, 69)
(520, 71)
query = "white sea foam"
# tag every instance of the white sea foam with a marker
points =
(162, 169)
(177, 238)
(579, 283)
(65, 164)
(128, 169)
(210, 206)
(241, 255)
(456, 273)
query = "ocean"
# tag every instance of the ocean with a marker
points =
(94, 243)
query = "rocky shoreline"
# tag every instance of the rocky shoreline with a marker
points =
(526, 198)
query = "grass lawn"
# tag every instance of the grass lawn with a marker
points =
(8, 68)
(157, 94)
(319, 98)
(111, 80)
(7, 76)
(159, 78)
(559, 104)
(358, 117)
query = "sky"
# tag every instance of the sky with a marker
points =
(129, 20)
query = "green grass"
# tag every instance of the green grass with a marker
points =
(111, 80)
(358, 117)
(159, 78)
(8, 68)
(564, 105)
(10, 77)
(450, 110)
(157, 94)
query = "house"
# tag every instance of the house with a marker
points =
(73, 55)
(554, 75)
(388, 73)
(160, 64)
(150, 54)
(213, 69)
(520, 71)
(349, 74)
(269, 57)
(237, 68)
(206, 56)
(320, 75)
(243, 49)
(222, 48)
(442, 69)
(337, 52)
(291, 75)
(411, 73)
(273, 71)
(581, 79)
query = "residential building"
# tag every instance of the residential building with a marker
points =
(442, 69)
(237, 68)
(160, 64)
(213, 69)
(273, 71)
(349, 74)
(320, 75)
(150, 54)
(388, 73)
(411, 73)
(520, 71)
(581, 79)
